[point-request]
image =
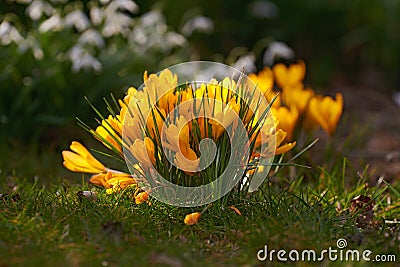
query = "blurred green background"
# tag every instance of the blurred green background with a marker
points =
(53, 53)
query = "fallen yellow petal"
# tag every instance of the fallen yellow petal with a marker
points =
(141, 197)
(192, 218)
(236, 210)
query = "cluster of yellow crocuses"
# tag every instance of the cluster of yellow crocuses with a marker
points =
(144, 129)
(296, 105)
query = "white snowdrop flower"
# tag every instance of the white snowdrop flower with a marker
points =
(78, 19)
(9, 34)
(4, 28)
(139, 36)
(126, 5)
(199, 23)
(96, 15)
(175, 39)
(91, 37)
(116, 24)
(37, 8)
(151, 32)
(152, 18)
(277, 50)
(81, 59)
(15, 36)
(31, 43)
(246, 62)
(52, 23)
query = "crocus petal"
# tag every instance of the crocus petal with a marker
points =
(192, 218)
(285, 148)
(187, 160)
(236, 210)
(155, 121)
(297, 97)
(141, 197)
(264, 81)
(109, 133)
(112, 179)
(81, 160)
(144, 151)
(101, 180)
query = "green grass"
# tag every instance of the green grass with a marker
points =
(53, 225)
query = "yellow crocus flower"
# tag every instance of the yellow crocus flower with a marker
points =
(177, 140)
(200, 92)
(143, 151)
(132, 128)
(115, 123)
(267, 138)
(289, 76)
(177, 136)
(167, 102)
(156, 86)
(265, 83)
(186, 94)
(203, 126)
(287, 119)
(81, 160)
(279, 138)
(297, 97)
(264, 80)
(155, 119)
(111, 179)
(224, 119)
(326, 111)
(120, 183)
(220, 91)
(108, 135)
(187, 160)
(128, 97)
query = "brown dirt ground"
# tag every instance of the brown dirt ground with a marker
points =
(370, 110)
